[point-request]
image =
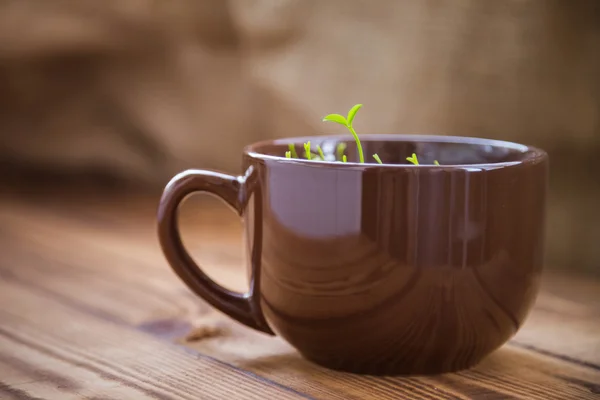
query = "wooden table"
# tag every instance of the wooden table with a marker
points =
(91, 310)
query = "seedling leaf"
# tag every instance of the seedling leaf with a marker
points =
(413, 159)
(336, 118)
(352, 113)
(376, 157)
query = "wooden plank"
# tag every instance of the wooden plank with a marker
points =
(51, 350)
(93, 266)
(67, 334)
(509, 372)
(566, 320)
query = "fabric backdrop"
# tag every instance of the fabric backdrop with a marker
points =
(142, 89)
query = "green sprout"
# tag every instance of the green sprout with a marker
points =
(307, 152)
(344, 159)
(413, 159)
(376, 157)
(288, 154)
(347, 122)
(293, 150)
(341, 147)
(321, 153)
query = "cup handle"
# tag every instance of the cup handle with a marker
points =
(235, 191)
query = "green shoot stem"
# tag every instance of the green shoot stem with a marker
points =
(288, 154)
(344, 159)
(361, 158)
(307, 150)
(321, 153)
(376, 157)
(340, 150)
(293, 150)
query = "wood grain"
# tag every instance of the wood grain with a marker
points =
(91, 310)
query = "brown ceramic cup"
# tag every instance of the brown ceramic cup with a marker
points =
(380, 269)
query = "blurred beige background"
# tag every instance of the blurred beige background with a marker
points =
(139, 89)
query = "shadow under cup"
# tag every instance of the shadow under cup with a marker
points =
(393, 269)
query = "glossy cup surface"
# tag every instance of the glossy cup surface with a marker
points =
(388, 269)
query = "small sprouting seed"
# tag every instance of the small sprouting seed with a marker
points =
(288, 154)
(321, 153)
(293, 150)
(413, 159)
(436, 162)
(341, 147)
(344, 159)
(307, 150)
(376, 157)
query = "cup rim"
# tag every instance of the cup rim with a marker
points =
(531, 154)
